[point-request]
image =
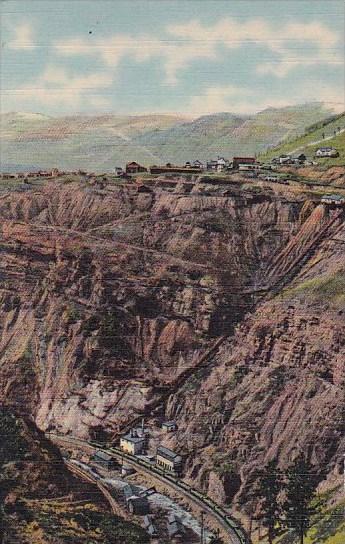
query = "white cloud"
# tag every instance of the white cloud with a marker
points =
(23, 37)
(57, 87)
(113, 50)
(292, 45)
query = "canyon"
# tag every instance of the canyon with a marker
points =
(220, 309)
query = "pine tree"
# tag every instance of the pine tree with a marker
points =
(300, 491)
(216, 540)
(269, 487)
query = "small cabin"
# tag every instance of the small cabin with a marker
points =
(134, 168)
(105, 460)
(169, 426)
(326, 152)
(198, 164)
(242, 161)
(136, 503)
(168, 460)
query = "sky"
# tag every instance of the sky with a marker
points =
(191, 57)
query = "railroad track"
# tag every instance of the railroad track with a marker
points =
(230, 527)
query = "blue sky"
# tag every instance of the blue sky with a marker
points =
(170, 56)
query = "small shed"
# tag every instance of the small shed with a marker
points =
(135, 502)
(169, 426)
(126, 470)
(134, 168)
(104, 459)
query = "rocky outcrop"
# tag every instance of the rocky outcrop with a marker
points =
(276, 388)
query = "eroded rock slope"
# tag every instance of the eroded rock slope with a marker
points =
(110, 298)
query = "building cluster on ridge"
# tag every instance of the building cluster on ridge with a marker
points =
(223, 165)
(220, 164)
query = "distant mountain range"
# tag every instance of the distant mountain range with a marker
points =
(33, 140)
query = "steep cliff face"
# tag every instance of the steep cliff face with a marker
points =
(109, 294)
(110, 298)
(276, 388)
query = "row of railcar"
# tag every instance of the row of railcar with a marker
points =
(206, 500)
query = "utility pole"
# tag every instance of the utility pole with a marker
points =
(202, 528)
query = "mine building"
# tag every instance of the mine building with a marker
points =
(169, 460)
(335, 200)
(242, 161)
(134, 168)
(105, 460)
(136, 502)
(169, 426)
(135, 441)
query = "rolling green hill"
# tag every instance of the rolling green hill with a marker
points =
(330, 132)
(99, 143)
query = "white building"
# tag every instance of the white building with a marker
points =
(133, 443)
(326, 152)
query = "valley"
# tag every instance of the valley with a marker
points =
(219, 307)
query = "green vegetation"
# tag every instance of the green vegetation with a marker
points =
(327, 525)
(44, 521)
(314, 133)
(329, 288)
(299, 507)
(270, 484)
(285, 502)
(12, 444)
(85, 525)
